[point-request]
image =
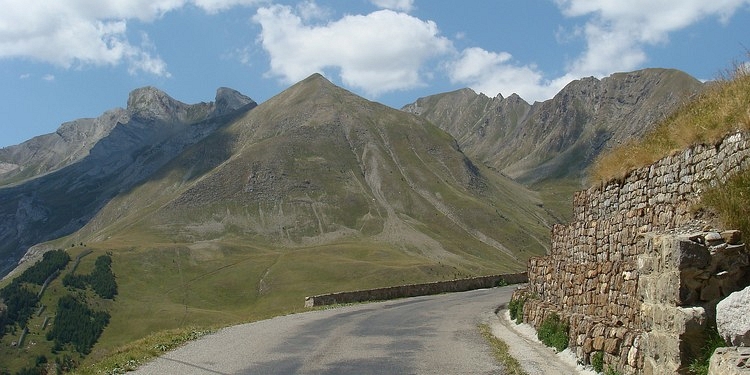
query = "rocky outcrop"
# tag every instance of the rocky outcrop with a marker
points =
(559, 137)
(733, 318)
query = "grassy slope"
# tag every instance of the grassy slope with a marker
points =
(174, 270)
(718, 111)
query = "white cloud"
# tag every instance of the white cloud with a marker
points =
(310, 10)
(215, 6)
(74, 33)
(616, 32)
(402, 5)
(24, 76)
(492, 73)
(48, 77)
(379, 52)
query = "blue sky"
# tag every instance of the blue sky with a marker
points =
(67, 59)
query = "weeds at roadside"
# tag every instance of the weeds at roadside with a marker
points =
(597, 361)
(553, 332)
(515, 309)
(500, 351)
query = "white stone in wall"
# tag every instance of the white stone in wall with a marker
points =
(733, 318)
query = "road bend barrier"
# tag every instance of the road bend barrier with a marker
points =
(414, 290)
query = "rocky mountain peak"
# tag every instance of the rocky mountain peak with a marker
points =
(228, 100)
(149, 103)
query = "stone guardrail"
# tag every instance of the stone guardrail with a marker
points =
(414, 290)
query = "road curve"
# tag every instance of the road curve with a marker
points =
(420, 335)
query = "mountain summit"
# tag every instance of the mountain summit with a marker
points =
(317, 166)
(55, 183)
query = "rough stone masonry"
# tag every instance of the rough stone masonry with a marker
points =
(634, 274)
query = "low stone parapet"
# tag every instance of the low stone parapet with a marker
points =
(414, 290)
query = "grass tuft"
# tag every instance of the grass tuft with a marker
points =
(731, 202)
(721, 109)
(597, 361)
(500, 350)
(699, 365)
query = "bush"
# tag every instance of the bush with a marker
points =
(515, 308)
(553, 332)
(597, 361)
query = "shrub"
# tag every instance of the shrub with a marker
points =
(553, 332)
(515, 308)
(597, 361)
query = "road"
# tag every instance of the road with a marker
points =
(421, 335)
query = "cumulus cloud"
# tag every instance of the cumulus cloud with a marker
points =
(378, 52)
(402, 5)
(616, 34)
(73, 33)
(492, 73)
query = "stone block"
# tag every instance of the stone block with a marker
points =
(730, 361)
(732, 237)
(733, 318)
(691, 254)
(711, 291)
(611, 345)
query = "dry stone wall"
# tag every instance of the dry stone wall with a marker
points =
(414, 290)
(623, 273)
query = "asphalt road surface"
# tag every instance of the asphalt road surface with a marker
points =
(422, 335)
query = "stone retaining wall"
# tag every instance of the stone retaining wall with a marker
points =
(415, 290)
(615, 273)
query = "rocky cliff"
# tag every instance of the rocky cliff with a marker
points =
(560, 137)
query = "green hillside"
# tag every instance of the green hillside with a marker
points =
(317, 190)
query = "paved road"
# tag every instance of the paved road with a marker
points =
(421, 335)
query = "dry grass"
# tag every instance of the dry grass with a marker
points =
(722, 108)
(131, 356)
(500, 351)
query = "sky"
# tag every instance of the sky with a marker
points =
(67, 59)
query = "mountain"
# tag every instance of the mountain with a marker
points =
(316, 190)
(560, 137)
(74, 140)
(317, 165)
(53, 184)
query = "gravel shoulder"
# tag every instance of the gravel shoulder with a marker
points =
(535, 357)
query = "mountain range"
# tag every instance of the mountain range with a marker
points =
(220, 212)
(295, 175)
(560, 137)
